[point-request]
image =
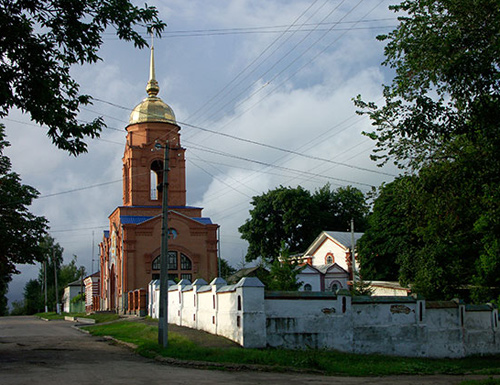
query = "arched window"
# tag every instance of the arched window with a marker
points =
(172, 260)
(307, 287)
(329, 259)
(156, 178)
(180, 265)
(156, 263)
(335, 285)
(185, 263)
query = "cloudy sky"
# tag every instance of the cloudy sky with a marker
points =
(263, 92)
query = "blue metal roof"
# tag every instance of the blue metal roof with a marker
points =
(203, 221)
(138, 219)
(127, 219)
(159, 207)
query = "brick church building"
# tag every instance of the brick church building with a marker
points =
(130, 249)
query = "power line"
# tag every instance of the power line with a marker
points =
(289, 77)
(259, 29)
(280, 167)
(254, 142)
(290, 51)
(254, 61)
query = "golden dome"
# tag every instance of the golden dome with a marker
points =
(152, 109)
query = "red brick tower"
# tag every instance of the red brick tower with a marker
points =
(130, 249)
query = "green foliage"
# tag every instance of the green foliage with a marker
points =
(386, 236)
(47, 37)
(18, 308)
(283, 273)
(446, 55)
(440, 118)
(34, 296)
(33, 299)
(226, 270)
(69, 273)
(78, 298)
(361, 287)
(296, 216)
(20, 230)
(424, 231)
(4, 287)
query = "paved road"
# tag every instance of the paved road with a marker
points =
(33, 352)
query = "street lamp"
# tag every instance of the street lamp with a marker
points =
(163, 316)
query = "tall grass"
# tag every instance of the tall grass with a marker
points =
(145, 336)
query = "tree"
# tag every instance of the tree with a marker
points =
(18, 308)
(283, 273)
(20, 230)
(46, 38)
(33, 298)
(296, 216)
(226, 270)
(422, 231)
(66, 273)
(283, 214)
(440, 118)
(387, 235)
(69, 273)
(446, 55)
(336, 208)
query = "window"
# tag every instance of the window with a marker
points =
(185, 263)
(157, 263)
(329, 259)
(180, 266)
(172, 233)
(172, 260)
(156, 178)
(335, 285)
(307, 287)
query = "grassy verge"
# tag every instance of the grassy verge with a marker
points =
(99, 317)
(145, 336)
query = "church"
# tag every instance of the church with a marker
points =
(130, 249)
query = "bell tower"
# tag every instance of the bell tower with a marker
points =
(153, 121)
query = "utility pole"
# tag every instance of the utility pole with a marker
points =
(58, 308)
(82, 269)
(163, 316)
(353, 258)
(45, 283)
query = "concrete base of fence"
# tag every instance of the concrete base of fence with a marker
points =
(80, 320)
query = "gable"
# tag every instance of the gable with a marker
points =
(336, 269)
(308, 269)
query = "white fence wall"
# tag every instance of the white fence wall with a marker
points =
(403, 326)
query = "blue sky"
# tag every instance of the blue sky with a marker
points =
(281, 73)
